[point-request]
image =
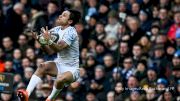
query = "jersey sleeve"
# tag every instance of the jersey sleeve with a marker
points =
(70, 36)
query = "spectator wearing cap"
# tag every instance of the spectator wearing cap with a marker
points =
(113, 24)
(141, 70)
(103, 11)
(38, 19)
(145, 20)
(176, 58)
(162, 83)
(155, 30)
(90, 26)
(159, 60)
(173, 30)
(150, 80)
(52, 12)
(111, 42)
(100, 52)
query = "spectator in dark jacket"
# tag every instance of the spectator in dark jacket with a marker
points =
(13, 25)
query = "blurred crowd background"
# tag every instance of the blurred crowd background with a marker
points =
(133, 60)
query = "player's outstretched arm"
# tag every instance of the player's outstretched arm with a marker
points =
(45, 48)
(54, 46)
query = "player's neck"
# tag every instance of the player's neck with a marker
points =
(64, 27)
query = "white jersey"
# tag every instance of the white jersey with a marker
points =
(68, 56)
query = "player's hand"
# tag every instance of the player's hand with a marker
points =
(34, 35)
(45, 33)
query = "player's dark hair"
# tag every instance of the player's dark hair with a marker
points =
(75, 16)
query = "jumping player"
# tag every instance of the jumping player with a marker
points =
(66, 66)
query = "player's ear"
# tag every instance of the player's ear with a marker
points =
(70, 22)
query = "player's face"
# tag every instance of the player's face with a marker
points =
(63, 19)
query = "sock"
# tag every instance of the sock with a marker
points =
(33, 83)
(54, 93)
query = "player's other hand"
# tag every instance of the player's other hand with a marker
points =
(45, 33)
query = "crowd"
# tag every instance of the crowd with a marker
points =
(136, 59)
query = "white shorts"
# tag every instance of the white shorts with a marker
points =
(64, 68)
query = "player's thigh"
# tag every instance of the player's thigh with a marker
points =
(51, 68)
(66, 77)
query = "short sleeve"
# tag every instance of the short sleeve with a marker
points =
(70, 36)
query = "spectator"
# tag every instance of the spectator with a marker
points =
(23, 42)
(38, 19)
(109, 64)
(17, 55)
(9, 66)
(164, 21)
(110, 96)
(6, 97)
(135, 31)
(141, 70)
(91, 97)
(128, 68)
(53, 12)
(150, 80)
(135, 9)
(113, 24)
(119, 91)
(174, 27)
(13, 25)
(8, 47)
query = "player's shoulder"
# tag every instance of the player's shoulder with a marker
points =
(55, 29)
(71, 30)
